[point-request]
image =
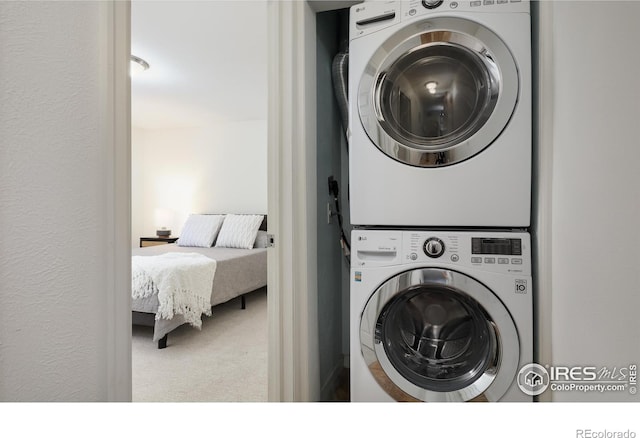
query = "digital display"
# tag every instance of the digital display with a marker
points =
(480, 245)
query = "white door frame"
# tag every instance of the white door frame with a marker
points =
(115, 138)
(292, 283)
(294, 373)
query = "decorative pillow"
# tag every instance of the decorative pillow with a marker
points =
(200, 230)
(239, 231)
(261, 240)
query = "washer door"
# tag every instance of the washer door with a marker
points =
(438, 335)
(438, 91)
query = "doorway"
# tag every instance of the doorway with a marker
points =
(199, 145)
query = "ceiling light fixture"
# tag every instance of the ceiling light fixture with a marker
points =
(137, 65)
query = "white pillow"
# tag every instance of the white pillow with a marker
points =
(239, 231)
(200, 230)
(261, 240)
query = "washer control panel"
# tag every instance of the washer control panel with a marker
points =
(501, 252)
(494, 251)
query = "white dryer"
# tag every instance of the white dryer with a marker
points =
(440, 316)
(440, 113)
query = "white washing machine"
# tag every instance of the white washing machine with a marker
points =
(440, 113)
(440, 315)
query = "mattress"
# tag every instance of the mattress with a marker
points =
(238, 271)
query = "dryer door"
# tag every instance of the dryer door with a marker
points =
(439, 335)
(438, 91)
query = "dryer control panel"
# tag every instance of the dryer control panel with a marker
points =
(368, 17)
(414, 8)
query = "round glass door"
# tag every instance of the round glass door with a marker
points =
(438, 92)
(437, 335)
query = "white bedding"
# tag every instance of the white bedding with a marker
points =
(182, 282)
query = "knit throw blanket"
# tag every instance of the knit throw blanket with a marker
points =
(182, 281)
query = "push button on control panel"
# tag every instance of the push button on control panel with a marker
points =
(476, 259)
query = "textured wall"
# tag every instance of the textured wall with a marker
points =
(52, 204)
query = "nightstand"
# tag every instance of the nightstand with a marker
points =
(152, 241)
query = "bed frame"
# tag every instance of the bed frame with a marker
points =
(148, 319)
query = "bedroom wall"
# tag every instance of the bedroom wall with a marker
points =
(220, 168)
(56, 210)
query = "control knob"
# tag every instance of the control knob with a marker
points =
(431, 4)
(433, 247)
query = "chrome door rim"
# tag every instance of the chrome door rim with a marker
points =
(498, 375)
(467, 36)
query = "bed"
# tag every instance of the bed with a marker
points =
(238, 271)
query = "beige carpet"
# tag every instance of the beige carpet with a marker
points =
(224, 362)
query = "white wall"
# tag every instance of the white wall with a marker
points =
(217, 169)
(57, 178)
(595, 206)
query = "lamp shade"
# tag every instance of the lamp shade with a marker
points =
(163, 221)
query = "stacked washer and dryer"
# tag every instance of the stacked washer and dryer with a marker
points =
(440, 191)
